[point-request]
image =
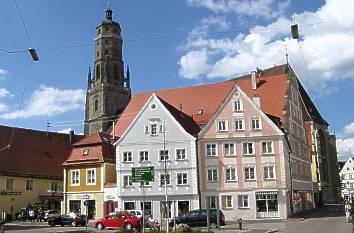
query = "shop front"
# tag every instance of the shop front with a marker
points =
(267, 205)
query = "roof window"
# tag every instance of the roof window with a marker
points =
(85, 152)
(200, 112)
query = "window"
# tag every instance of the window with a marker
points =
(153, 129)
(29, 184)
(164, 178)
(144, 156)
(85, 152)
(248, 148)
(229, 149)
(243, 201)
(182, 179)
(106, 29)
(226, 201)
(222, 125)
(239, 124)
(268, 172)
(211, 149)
(127, 157)
(180, 154)
(164, 155)
(54, 186)
(161, 128)
(267, 147)
(75, 177)
(146, 129)
(127, 181)
(212, 175)
(96, 105)
(250, 173)
(98, 71)
(230, 174)
(256, 123)
(212, 202)
(91, 176)
(238, 106)
(98, 31)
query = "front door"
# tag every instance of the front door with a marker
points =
(91, 209)
(183, 207)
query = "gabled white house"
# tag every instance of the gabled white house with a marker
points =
(159, 130)
(347, 179)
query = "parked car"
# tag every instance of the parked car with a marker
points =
(121, 220)
(68, 219)
(50, 213)
(196, 218)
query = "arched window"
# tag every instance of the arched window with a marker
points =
(115, 71)
(96, 105)
(98, 72)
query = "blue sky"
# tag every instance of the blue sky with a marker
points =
(257, 33)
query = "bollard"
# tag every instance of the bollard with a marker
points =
(239, 223)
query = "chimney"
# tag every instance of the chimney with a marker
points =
(254, 81)
(71, 136)
(257, 100)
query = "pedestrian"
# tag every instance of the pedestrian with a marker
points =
(31, 215)
(348, 211)
(40, 214)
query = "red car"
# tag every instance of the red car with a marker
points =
(118, 221)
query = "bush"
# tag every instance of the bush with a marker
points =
(183, 228)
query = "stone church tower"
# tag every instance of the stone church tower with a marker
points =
(108, 91)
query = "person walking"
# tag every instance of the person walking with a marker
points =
(348, 211)
(31, 215)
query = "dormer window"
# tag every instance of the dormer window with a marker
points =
(85, 152)
(200, 112)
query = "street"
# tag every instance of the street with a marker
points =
(326, 220)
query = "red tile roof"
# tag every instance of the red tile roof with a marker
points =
(34, 153)
(205, 99)
(98, 149)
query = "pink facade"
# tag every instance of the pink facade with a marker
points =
(243, 173)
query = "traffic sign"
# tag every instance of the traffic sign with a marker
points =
(143, 174)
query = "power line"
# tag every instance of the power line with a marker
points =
(23, 22)
(58, 48)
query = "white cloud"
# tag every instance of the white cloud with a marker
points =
(3, 107)
(348, 129)
(3, 74)
(67, 131)
(49, 101)
(345, 148)
(257, 8)
(328, 47)
(194, 63)
(4, 92)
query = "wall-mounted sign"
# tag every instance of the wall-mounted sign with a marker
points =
(84, 196)
(8, 193)
(110, 197)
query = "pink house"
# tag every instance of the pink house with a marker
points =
(243, 161)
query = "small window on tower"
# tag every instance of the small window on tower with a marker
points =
(106, 29)
(96, 105)
(98, 54)
(106, 41)
(106, 52)
(98, 72)
(98, 31)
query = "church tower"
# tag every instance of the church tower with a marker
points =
(108, 89)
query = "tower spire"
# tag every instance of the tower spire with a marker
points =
(109, 12)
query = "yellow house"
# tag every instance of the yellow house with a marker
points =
(90, 166)
(31, 169)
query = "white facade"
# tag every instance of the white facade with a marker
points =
(347, 179)
(142, 145)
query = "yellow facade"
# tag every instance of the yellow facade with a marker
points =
(110, 173)
(83, 186)
(79, 192)
(20, 196)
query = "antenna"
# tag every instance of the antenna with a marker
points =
(109, 4)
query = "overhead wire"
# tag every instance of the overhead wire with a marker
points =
(23, 22)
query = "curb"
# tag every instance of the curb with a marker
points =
(271, 231)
